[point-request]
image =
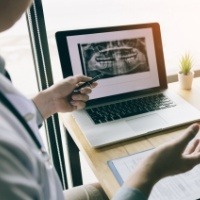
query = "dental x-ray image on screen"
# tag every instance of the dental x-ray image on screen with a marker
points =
(114, 58)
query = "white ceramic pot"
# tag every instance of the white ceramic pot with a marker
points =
(185, 81)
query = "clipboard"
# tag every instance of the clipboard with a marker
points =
(184, 186)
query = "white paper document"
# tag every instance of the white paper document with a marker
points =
(179, 187)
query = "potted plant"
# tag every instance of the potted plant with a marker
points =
(186, 74)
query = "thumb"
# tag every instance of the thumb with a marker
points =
(189, 134)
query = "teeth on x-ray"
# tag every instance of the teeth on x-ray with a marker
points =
(113, 58)
(117, 60)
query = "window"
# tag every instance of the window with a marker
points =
(178, 20)
(15, 48)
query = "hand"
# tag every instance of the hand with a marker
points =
(60, 97)
(174, 157)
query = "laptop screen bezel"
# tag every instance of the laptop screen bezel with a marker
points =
(66, 66)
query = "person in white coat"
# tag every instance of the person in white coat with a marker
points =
(26, 171)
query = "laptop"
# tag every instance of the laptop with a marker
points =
(131, 99)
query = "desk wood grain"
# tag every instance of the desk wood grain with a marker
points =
(97, 158)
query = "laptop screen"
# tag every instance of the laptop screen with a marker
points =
(129, 58)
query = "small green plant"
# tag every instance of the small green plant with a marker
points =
(186, 64)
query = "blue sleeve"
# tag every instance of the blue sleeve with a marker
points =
(126, 193)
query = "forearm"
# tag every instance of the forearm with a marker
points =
(146, 175)
(44, 103)
(141, 181)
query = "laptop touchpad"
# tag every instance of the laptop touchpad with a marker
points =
(147, 123)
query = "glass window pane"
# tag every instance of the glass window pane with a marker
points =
(178, 21)
(16, 50)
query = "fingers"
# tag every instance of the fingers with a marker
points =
(197, 149)
(192, 154)
(79, 100)
(77, 105)
(88, 90)
(84, 84)
(189, 134)
(193, 145)
(82, 78)
(80, 97)
(83, 94)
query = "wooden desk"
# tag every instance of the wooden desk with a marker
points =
(97, 158)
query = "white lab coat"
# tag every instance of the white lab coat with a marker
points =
(24, 172)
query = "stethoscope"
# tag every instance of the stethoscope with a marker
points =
(15, 112)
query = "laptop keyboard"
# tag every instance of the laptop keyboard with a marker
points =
(129, 108)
